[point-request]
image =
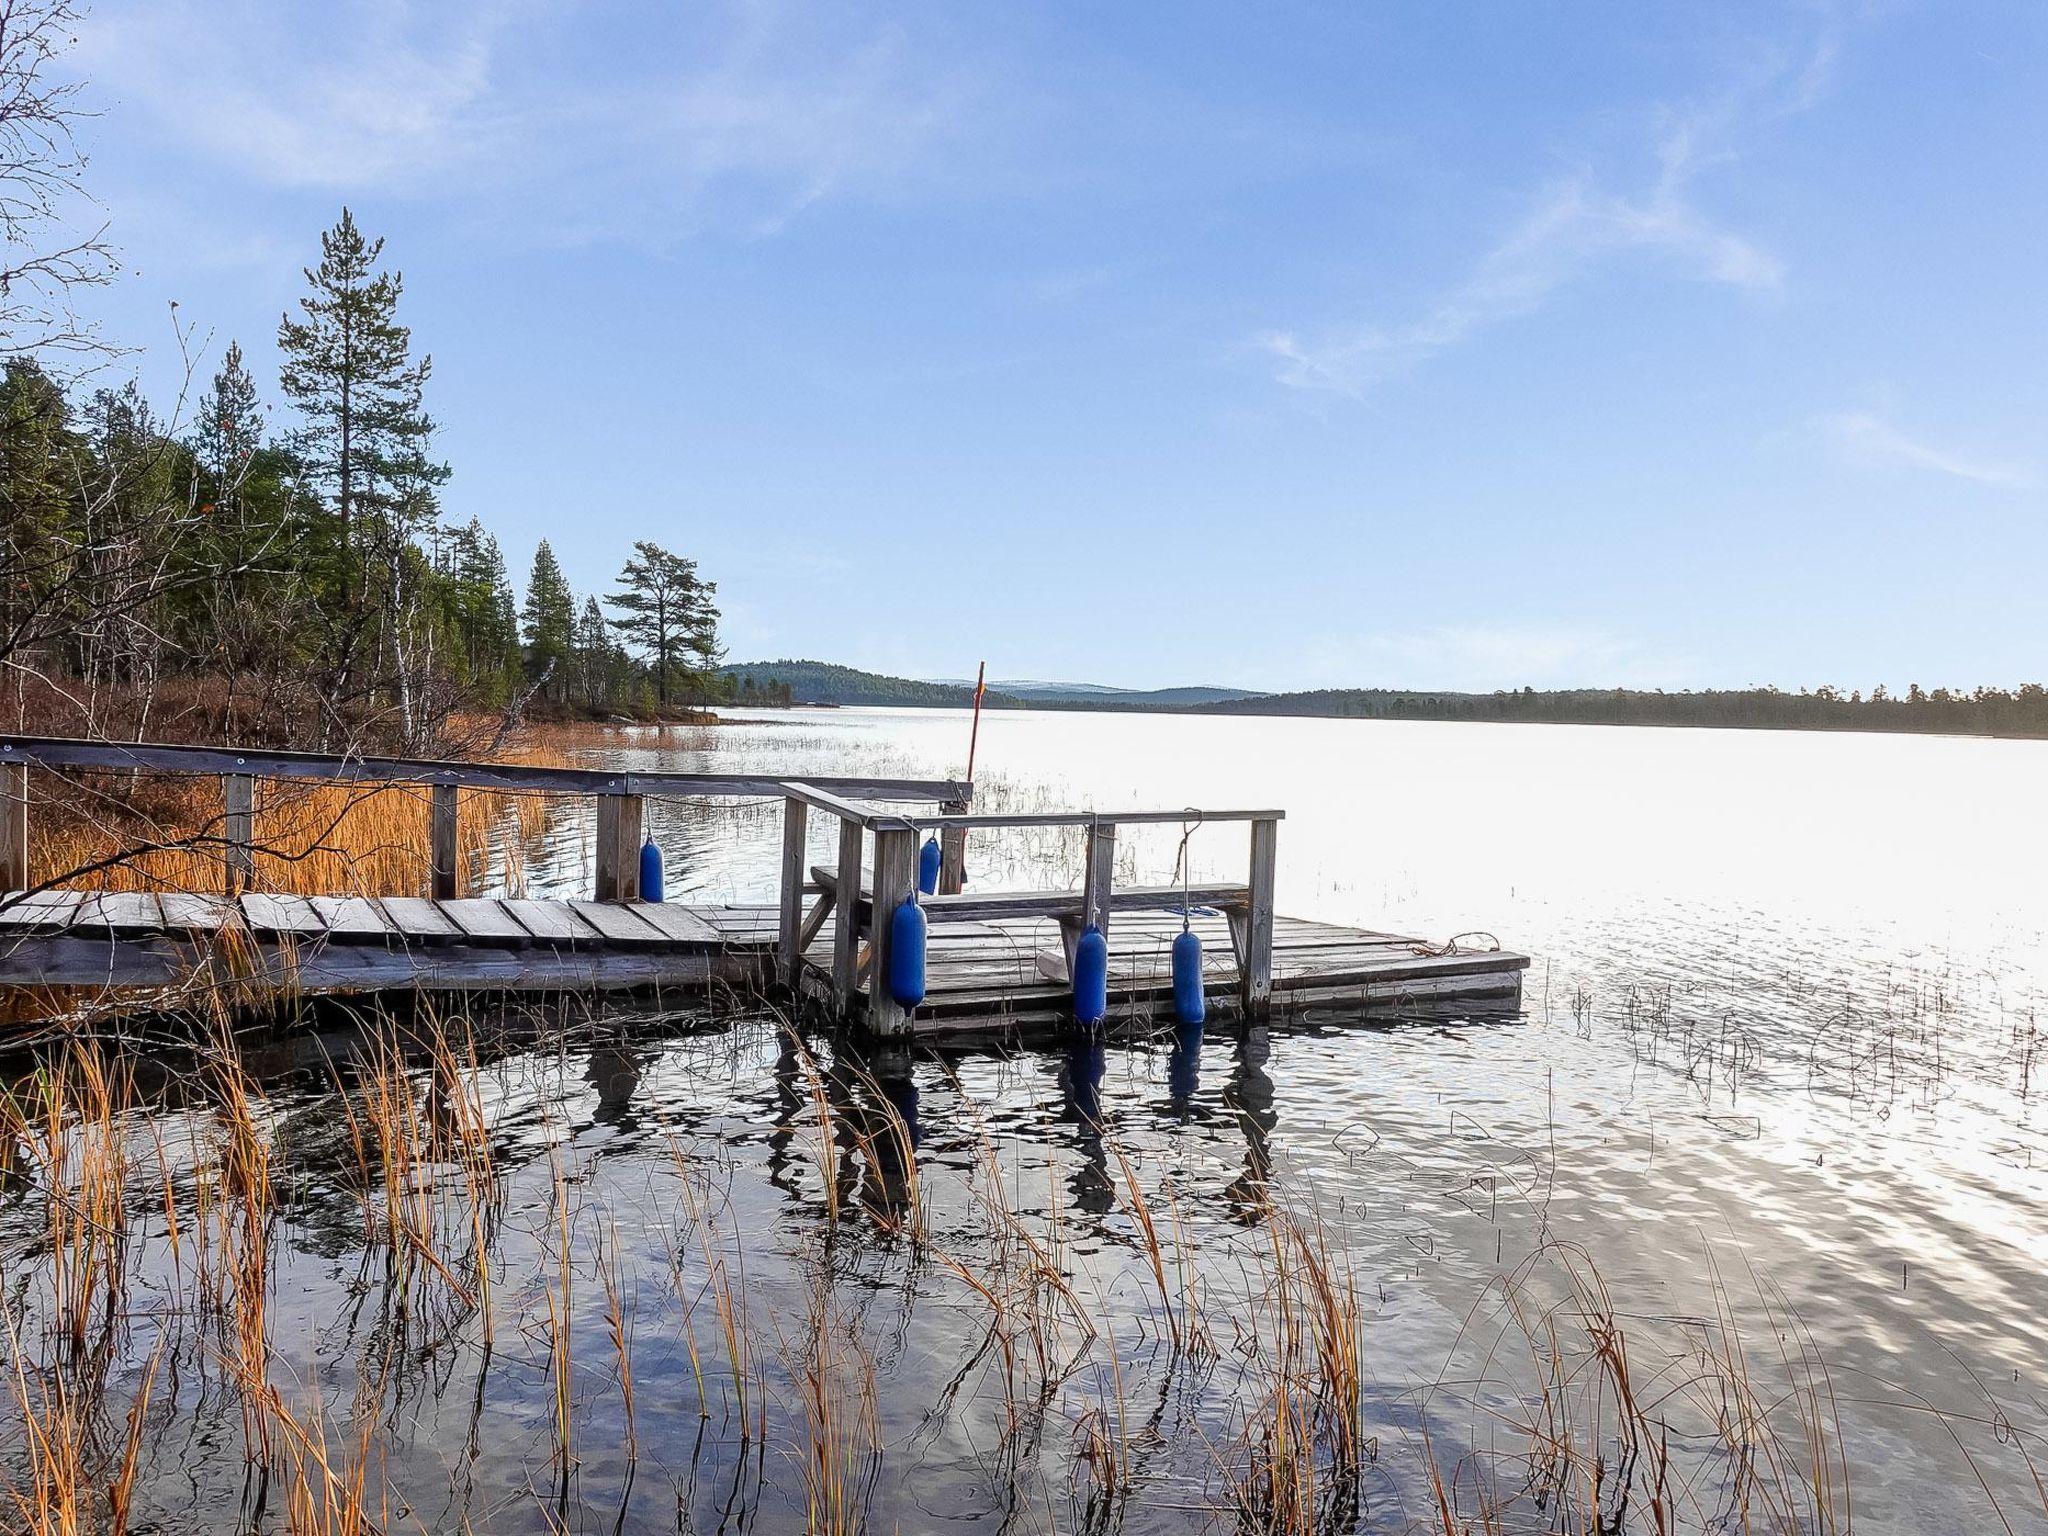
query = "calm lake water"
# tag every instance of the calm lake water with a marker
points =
(1748, 1206)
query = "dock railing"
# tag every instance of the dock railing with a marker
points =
(621, 797)
(864, 908)
(865, 807)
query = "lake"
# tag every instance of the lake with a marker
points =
(1740, 1224)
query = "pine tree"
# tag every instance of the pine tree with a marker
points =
(669, 613)
(549, 622)
(597, 656)
(348, 370)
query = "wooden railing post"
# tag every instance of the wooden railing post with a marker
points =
(895, 883)
(796, 829)
(618, 847)
(444, 844)
(846, 921)
(1100, 870)
(953, 851)
(14, 827)
(1256, 959)
(238, 830)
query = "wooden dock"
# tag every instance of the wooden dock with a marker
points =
(995, 959)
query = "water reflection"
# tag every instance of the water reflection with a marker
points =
(1184, 1068)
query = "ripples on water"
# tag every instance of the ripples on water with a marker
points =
(1766, 1131)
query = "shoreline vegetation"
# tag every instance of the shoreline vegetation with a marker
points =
(2019, 712)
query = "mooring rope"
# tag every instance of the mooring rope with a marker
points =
(1454, 945)
(1180, 860)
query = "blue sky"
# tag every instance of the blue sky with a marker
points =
(1429, 344)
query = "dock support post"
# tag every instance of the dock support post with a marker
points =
(1100, 870)
(444, 845)
(1256, 956)
(796, 827)
(895, 883)
(953, 852)
(14, 827)
(618, 847)
(1098, 865)
(238, 794)
(846, 922)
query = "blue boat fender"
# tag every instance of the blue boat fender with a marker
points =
(928, 860)
(1190, 1004)
(650, 871)
(1091, 976)
(906, 955)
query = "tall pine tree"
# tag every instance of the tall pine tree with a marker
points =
(348, 369)
(549, 622)
(669, 615)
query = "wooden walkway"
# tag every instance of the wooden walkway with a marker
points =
(983, 974)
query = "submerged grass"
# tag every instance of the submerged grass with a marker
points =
(1158, 1360)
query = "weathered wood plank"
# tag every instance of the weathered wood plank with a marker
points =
(552, 922)
(119, 912)
(895, 883)
(991, 906)
(953, 852)
(796, 830)
(292, 915)
(619, 924)
(444, 844)
(485, 919)
(678, 923)
(14, 827)
(44, 911)
(1256, 958)
(619, 820)
(846, 924)
(238, 829)
(196, 911)
(354, 918)
(418, 919)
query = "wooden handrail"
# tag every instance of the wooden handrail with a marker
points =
(814, 793)
(265, 763)
(1187, 817)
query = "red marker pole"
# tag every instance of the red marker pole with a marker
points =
(973, 741)
(974, 732)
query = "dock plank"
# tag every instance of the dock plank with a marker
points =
(39, 911)
(484, 918)
(119, 912)
(552, 922)
(678, 924)
(291, 915)
(619, 924)
(354, 917)
(419, 919)
(196, 911)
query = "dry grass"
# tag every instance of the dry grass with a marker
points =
(1107, 1351)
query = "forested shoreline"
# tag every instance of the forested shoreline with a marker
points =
(1940, 711)
(2021, 711)
(270, 560)
(277, 566)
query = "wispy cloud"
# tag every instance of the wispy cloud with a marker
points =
(1864, 437)
(740, 115)
(1578, 221)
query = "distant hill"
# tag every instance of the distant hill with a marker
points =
(1943, 711)
(822, 682)
(1102, 696)
(1979, 711)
